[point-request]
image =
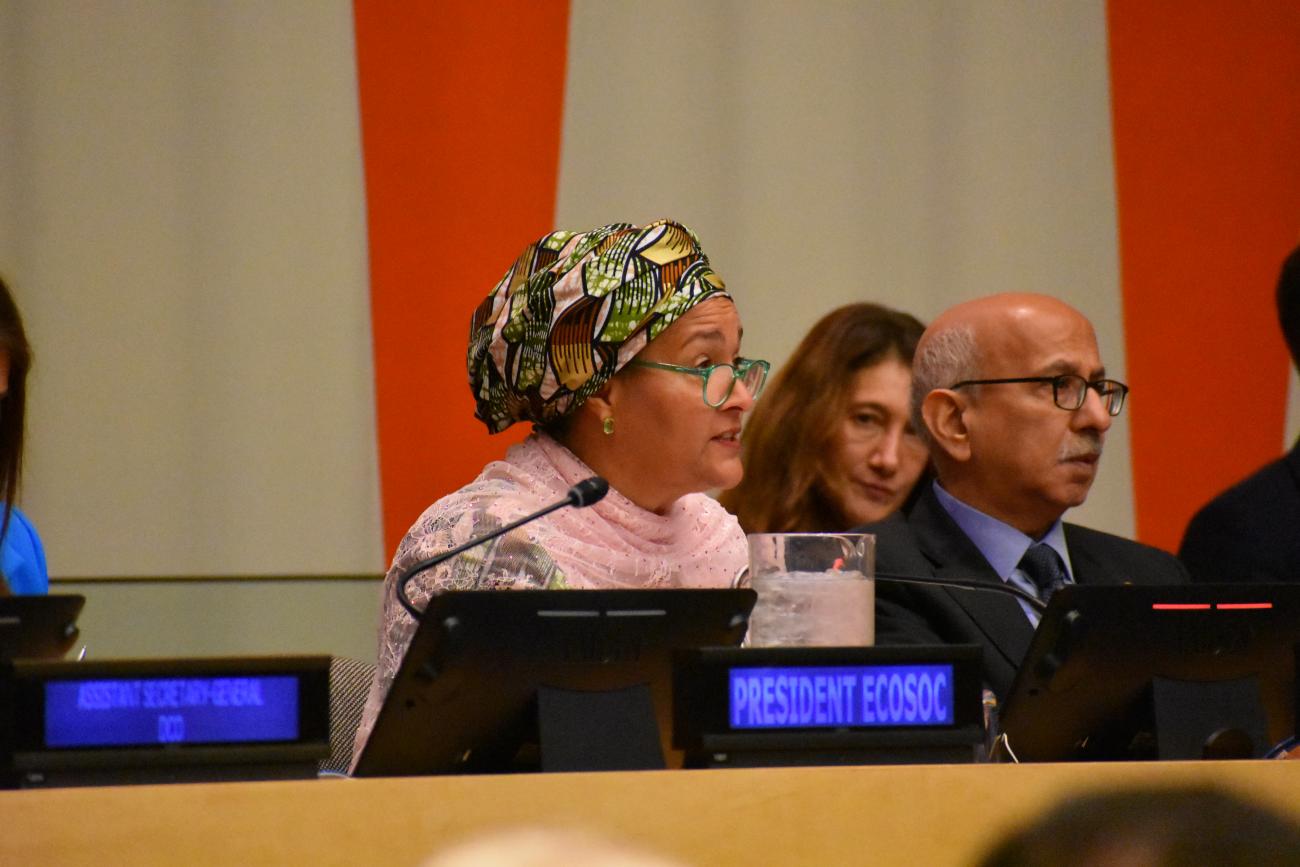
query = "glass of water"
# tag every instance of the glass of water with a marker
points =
(814, 589)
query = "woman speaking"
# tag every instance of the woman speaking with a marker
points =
(622, 347)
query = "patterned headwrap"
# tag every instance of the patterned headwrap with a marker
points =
(575, 308)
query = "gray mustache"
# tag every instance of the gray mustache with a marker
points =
(1084, 446)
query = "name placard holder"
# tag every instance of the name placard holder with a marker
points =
(111, 722)
(751, 707)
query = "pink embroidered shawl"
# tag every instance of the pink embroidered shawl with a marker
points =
(613, 544)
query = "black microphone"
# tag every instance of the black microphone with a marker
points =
(586, 492)
(581, 495)
(997, 587)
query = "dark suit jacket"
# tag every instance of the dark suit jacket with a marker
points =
(928, 542)
(1250, 532)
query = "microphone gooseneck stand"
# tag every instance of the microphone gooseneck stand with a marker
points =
(581, 495)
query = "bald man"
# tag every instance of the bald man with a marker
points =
(1011, 397)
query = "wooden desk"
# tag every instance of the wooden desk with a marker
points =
(936, 814)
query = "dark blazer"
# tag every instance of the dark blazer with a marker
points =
(1250, 532)
(928, 542)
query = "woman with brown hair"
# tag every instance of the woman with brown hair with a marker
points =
(22, 559)
(831, 446)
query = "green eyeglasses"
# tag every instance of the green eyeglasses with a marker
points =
(719, 379)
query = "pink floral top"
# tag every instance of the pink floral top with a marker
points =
(613, 544)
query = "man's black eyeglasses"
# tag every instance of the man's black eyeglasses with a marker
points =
(1069, 390)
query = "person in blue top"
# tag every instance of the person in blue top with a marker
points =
(22, 559)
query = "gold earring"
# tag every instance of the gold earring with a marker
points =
(608, 426)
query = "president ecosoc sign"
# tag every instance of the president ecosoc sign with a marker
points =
(841, 696)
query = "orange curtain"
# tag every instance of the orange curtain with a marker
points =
(1206, 103)
(460, 117)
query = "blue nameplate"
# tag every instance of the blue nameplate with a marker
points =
(117, 721)
(766, 706)
(857, 696)
(122, 712)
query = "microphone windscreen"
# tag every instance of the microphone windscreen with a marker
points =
(588, 491)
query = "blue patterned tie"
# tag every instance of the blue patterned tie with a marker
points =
(1043, 566)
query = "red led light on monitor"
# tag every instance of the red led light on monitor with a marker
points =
(1206, 606)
